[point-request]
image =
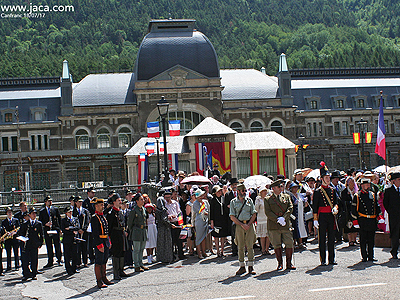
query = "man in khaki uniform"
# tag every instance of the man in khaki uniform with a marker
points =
(278, 208)
(243, 214)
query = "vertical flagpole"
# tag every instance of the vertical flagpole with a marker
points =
(158, 161)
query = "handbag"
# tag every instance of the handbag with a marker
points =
(308, 215)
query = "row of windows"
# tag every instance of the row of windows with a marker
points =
(257, 126)
(341, 103)
(36, 114)
(103, 138)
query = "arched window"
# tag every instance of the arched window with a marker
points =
(103, 138)
(256, 126)
(124, 137)
(82, 139)
(277, 127)
(237, 127)
(189, 120)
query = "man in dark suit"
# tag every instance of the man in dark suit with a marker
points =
(11, 224)
(51, 220)
(90, 207)
(33, 231)
(70, 227)
(391, 202)
(83, 216)
(228, 197)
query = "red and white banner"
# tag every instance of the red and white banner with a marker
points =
(174, 127)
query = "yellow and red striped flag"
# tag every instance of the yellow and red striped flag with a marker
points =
(202, 207)
(368, 137)
(180, 219)
(296, 148)
(254, 162)
(280, 161)
(305, 146)
(356, 137)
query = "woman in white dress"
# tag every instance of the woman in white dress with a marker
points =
(151, 242)
(299, 224)
(262, 221)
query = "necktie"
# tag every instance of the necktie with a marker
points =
(80, 211)
(48, 211)
(10, 222)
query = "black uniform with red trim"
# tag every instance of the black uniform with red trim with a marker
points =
(100, 237)
(326, 220)
(366, 209)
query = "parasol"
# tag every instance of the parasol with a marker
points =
(256, 181)
(197, 179)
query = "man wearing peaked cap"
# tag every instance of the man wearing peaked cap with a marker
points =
(11, 224)
(70, 227)
(391, 202)
(90, 207)
(83, 216)
(325, 209)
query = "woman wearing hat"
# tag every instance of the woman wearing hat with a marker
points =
(262, 221)
(220, 221)
(299, 224)
(201, 209)
(165, 252)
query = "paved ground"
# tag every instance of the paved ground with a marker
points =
(213, 278)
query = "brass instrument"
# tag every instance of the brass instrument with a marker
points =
(8, 235)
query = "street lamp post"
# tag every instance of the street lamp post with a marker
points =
(361, 125)
(301, 139)
(158, 160)
(162, 107)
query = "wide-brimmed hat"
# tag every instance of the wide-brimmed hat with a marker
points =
(364, 180)
(216, 189)
(335, 174)
(241, 187)
(199, 192)
(293, 184)
(277, 183)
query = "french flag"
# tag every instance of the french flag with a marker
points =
(174, 128)
(153, 129)
(200, 162)
(142, 168)
(161, 148)
(173, 158)
(150, 148)
(380, 148)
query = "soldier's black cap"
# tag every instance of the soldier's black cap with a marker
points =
(32, 210)
(277, 183)
(336, 174)
(7, 209)
(78, 199)
(68, 209)
(48, 198)
(233, 180)
(91, 189)
(113, 198)
(25, 213)
(136, 197)
(72, 198)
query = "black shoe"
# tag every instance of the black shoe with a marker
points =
(8, 269)
(333, 263)
(394, 257)
(39, 272)
(364, 260)
(47, 266)
(372, 259)
(323, 264)
(34, 278)
(59, 262)
(25, 279)
(234, 254)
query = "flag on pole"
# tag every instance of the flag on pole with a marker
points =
(180, 219)
(296, 148)
(380, 148)
(305, 146)
(280, 161)
(174, 127)
(142, 168)
(356, 138)
(173, 161)
(153, 129)
(254, 162)
(161, 147)
(200, 163)
(202, 207)
(150, 148)
(368, 137)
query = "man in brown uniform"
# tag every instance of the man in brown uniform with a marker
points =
(278, 208)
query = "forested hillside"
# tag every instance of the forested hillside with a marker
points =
(104, 35)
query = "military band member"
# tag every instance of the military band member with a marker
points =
(101, 242)
(325, 208)
(2, 232)
(90, 207)
(23, 208)
(10, 225)
(116, 226)
(366, 210)
(50, 217)
(83, 216)
(33, 231)
(391, 202)
(278, 208)
(70, 227)
(243, 214)
(138, 232)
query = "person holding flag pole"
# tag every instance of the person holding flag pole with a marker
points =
(201, 208)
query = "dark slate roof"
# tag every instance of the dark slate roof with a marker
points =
(328, 88)
(248, 84)
(163, 49)
(104, 89)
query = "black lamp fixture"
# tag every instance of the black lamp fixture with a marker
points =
(163, 107)
(301, 139)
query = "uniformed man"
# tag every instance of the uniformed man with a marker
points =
(138, 232)
(366, 209)
(101, 242)
(128, 260)
(278, 208)
(325, 209)
(83, 216)
(51, 220)
(90, 207)
(243, 214)
(391, 202)
(231, 194)
(2, 232)
(116, 225)
(33, 231)
(69, 228)
(10, 225)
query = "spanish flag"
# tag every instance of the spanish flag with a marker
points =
(203, 207)
(296, 148)
(368, 137)
(254, 162)
(356, 138)
(280, 161)
(305, 146)
(180, 219)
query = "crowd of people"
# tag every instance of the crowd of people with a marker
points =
(198, 219)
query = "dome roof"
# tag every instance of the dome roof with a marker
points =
(175, 42)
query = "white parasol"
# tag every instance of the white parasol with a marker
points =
(256, 181)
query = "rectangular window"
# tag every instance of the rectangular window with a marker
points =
(313, 104)
(14, 143)
(46, 142)
(8, 117)
(4, 143)
(387, 126)
(345, 127)
(336, 129)
(33, 144)
(39, 142)
(315, 129)
(308, 129)
(243, 164)
(320, 129)
(360, 103)
(397, 128)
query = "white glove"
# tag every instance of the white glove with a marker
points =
(316, 224)
(381, 221)
(356, 226)
(281, 221)
(335, 210)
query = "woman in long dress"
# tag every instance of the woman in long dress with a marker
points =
(220, 221)
(201, 210)
(165, 252)
(299, 225)
(151, 242)
(262, 221)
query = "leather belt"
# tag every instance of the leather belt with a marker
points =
(103, 236)
(367, 216)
